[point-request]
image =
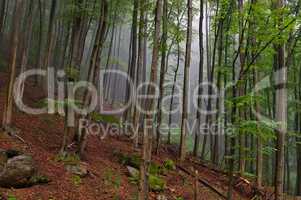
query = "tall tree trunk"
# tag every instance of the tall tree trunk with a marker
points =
(2, 16)
(38, 61)
(49, 46)
(149, 129)
(75, 38)
(26, 43)
(281, 111)
(298, 139)
(140, 63)
(162, 73)
(208, 59)
(186, 84)
(259, 157)
(173, 92)
(242, 153)
(133, 56)
(94, 65)
(201, 72)
(8, 107)
(107, 76)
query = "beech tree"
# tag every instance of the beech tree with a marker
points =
(149, 130)
(243, 55)
(15, 40)
(281, 109)
(186, 83)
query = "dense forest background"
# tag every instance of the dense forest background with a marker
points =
(230, 68)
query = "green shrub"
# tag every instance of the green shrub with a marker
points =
(155, 169)
(169, 165)
(112, 178)
(156, 183)
(129, 160)
(76, 180)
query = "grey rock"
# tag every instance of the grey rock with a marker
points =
(17, 171)
(133, 172)
(78, 169)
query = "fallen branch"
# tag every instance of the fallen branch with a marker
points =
(204, 182)
(239, 179)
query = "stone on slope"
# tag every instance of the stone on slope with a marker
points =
(80, 169)
(133, 172)
(17, 172)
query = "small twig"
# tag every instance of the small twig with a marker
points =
(13, 132)
(19, 138)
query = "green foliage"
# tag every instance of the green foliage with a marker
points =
(135, 162)
(112, 178)
(68, 159)
(108, 176)
(41, 103)
(39, 179)
(72, 73)
(110, 119)
(169, 164)
(249, 176)
(76, 180)
(155, 169)
(68, 102)
(11, 197)
(156, 183)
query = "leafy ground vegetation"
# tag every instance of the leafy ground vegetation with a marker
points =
(150, 99)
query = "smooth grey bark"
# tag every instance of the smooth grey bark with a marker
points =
(149, 129)
(201, 78)
(281, 111)
(182, 151)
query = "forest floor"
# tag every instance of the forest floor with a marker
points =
(43, 136)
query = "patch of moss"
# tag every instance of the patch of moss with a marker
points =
(39, 179)
(76, 180)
